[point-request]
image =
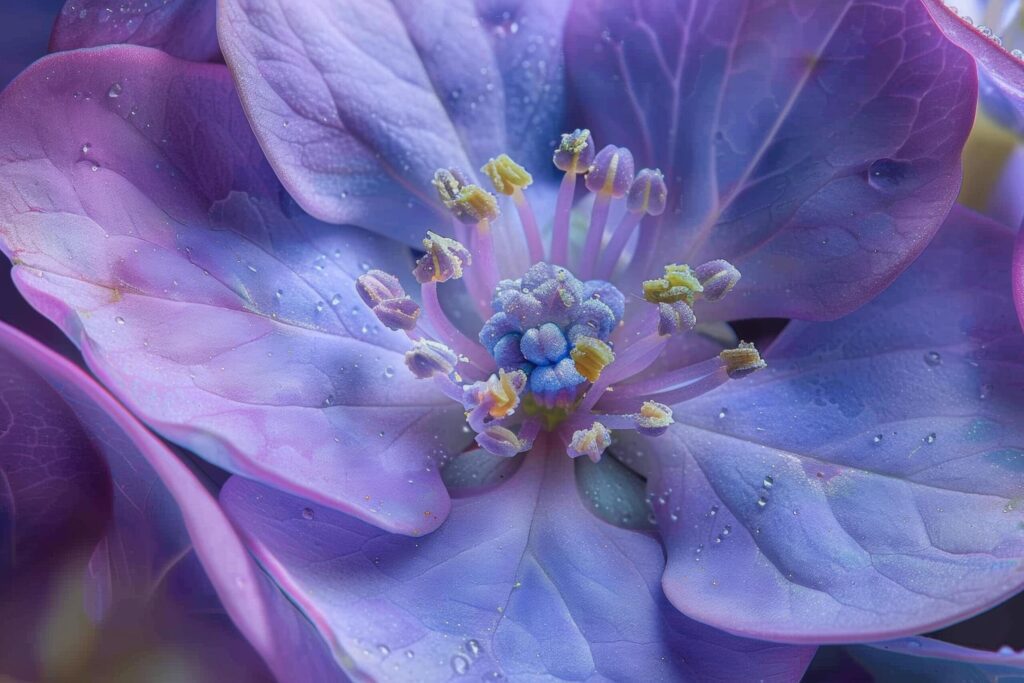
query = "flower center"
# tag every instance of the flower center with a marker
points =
(555, 329)
(556, 351)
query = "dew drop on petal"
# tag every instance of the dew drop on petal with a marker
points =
(933, 359)
(930, 439)
(115, 90)
(887, 174)
(307, 513)
(119, 320)
(460, 665)
(768, 482)
(762, 502)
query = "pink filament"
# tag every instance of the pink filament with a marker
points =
(451, 335)
(534, 243)
(613, 250)
(592, 246)
(563, 206)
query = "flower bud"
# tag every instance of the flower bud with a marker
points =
(443, 261)
(648, 193)
(575, 152)
(653, 419)
(742, 361)
(717, 277)
(428, 358)
(590, 442)
(611, 172)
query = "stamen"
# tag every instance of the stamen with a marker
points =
(574, 156)
(495, 398)
(468, 203)
(428, 358)
(591, 356)
(384, 294)
(591, 442)
(647, 196)
(507, 175)
(501, 441)
(653, 419)
(448, 333)
(675, 318)
(511, 179)
(678, 284)
(610, 176)
(742, 361)
(443, 261)
(717, 277)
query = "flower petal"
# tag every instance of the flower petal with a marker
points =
(927, 659)
(165, 544)
(1003, 73)
(149, 227)
(815, 145)
(357, 104)
(521, 582)
(868, 484)
(183, 28)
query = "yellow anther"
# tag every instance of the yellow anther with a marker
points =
(591, 356)
(504, 389)
(443, 261)
(678, 284)
(590, 442)
(653, 419)
(474, 205)
(742, 360)
(506, 174)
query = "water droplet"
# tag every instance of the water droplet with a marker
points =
(722, 413)
(409, 654)
(335, 300)
(930, 439)
(932, 359)
(460, 665)
(876, 439)
(86, 147)
(119, 320)
(278, 294)
(1019, 54)
(473, 648)
(887, 174)
(384, 650)
(115, 90)
(713, 511)
(389, 372)
(768, 482)
(307, 513)
(762, 501)
(727, 530)
(94, 168)
(986, 391)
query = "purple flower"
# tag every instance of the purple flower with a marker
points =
(402, 428)
(114, 551)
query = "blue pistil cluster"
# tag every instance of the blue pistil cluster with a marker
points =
(540, 319)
